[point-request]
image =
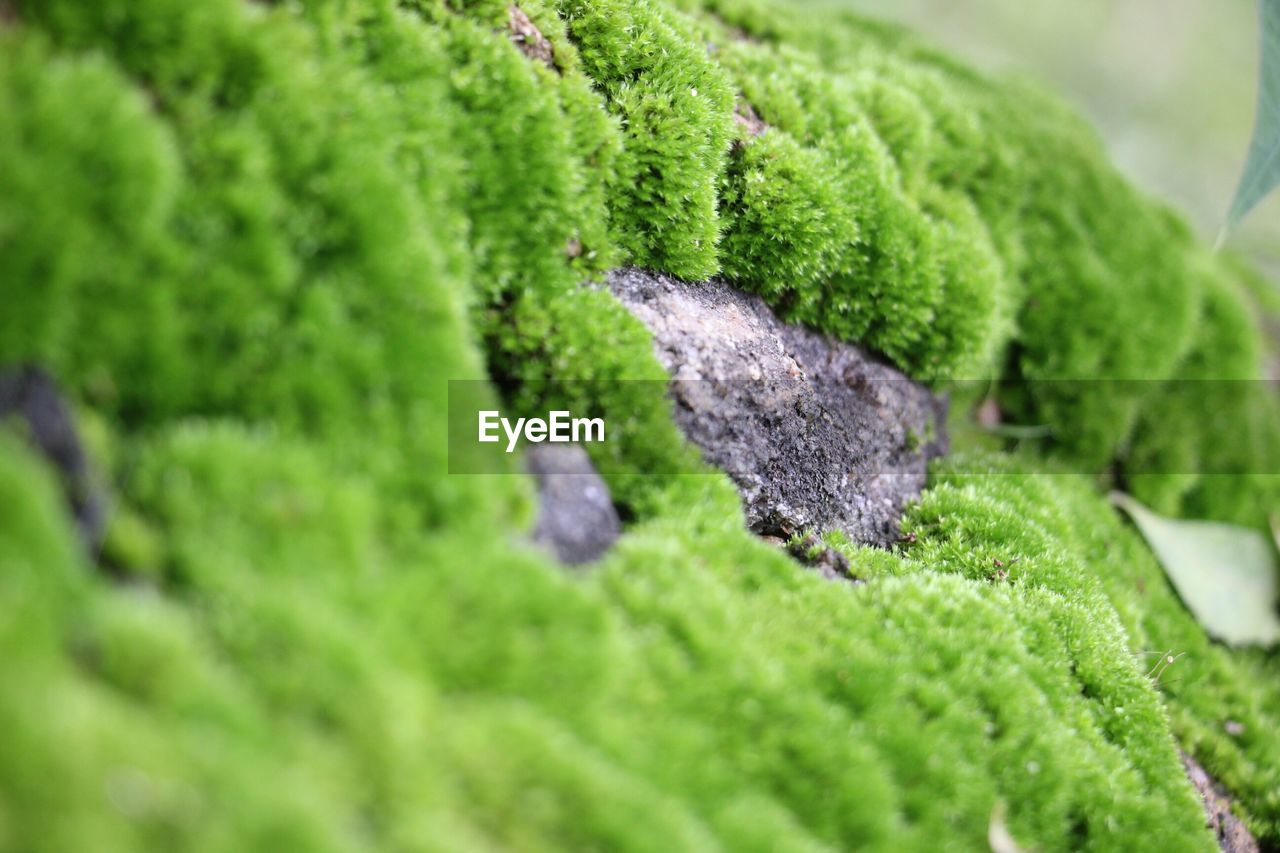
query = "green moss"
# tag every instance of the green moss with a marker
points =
(879, 282)
(1054, 535)
(90, 178)
(1104, 283)
(675, 106)
(1218, 394)
(252, 242)
(322, 269)
(788, 225)
(697, 674)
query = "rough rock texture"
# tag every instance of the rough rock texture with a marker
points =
(29, 396)
(1233, 836)
(529, 38)
(576, 518)
(815, 433)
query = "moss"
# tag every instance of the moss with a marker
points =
(1104, 283)
(252, 241)
(91, 181)
(883, 286)
(695, 673)
(1180, 462)
(676, 109)
(1054, 534)
(323, 274)
(787, 225)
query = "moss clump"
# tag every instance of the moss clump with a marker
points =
(675, 106)
(858, 253)
(91, 178)
(1180, 435)
(1054, 536)
(1064, 263)
(696, 675)
(253, 241)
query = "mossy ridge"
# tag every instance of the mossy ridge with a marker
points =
(300, 635)
(867, 184)
(889, 275)
(1052, 533)
(321, 282)
(1104, 284)
(402, 695)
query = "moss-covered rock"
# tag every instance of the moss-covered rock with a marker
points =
(253, 241)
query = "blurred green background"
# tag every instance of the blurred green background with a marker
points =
(1170, 84)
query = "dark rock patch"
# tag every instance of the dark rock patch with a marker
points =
(811, 551)
(1233, 836)
(816, 433)
(576, 518)
(30, 397)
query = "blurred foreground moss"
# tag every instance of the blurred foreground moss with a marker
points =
(253, 240)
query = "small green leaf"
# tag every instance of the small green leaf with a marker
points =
(1262, 169)
(1225, 574)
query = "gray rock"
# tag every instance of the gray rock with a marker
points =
(1231, 833)
(816, 433)
(30, 397)
(576, 518)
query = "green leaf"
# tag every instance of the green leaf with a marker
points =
(1226, 575)
(1262, 170)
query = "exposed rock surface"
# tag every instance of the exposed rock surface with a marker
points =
(529, 38)
(576, 518)
(29, 396)
(816, 434)
(1233, 836)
